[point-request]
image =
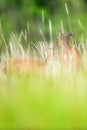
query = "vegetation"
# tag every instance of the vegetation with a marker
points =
(42, 100)
(15, 14)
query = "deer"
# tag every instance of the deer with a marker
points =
(24, 65)
(69, 55)
(69, 59)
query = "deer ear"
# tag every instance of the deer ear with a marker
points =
(61, 34)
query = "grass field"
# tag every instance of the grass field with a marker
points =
(43, 102)
(46, 100)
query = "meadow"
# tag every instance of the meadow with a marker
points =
(42, 100)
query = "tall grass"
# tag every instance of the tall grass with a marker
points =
(42, 101)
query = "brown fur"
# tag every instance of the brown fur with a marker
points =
(22, 65)
(70, 56)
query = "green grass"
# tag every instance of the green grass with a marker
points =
(43, 102)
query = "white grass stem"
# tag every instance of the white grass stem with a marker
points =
(67, 12)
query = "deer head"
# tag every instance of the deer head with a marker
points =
(63, 39)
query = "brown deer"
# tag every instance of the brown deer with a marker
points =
(69, 59)
(69, 56)
(24, 65)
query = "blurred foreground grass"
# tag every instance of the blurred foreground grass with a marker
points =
(39, 101)
(43, 102)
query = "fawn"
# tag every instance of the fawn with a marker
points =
(69, 56)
